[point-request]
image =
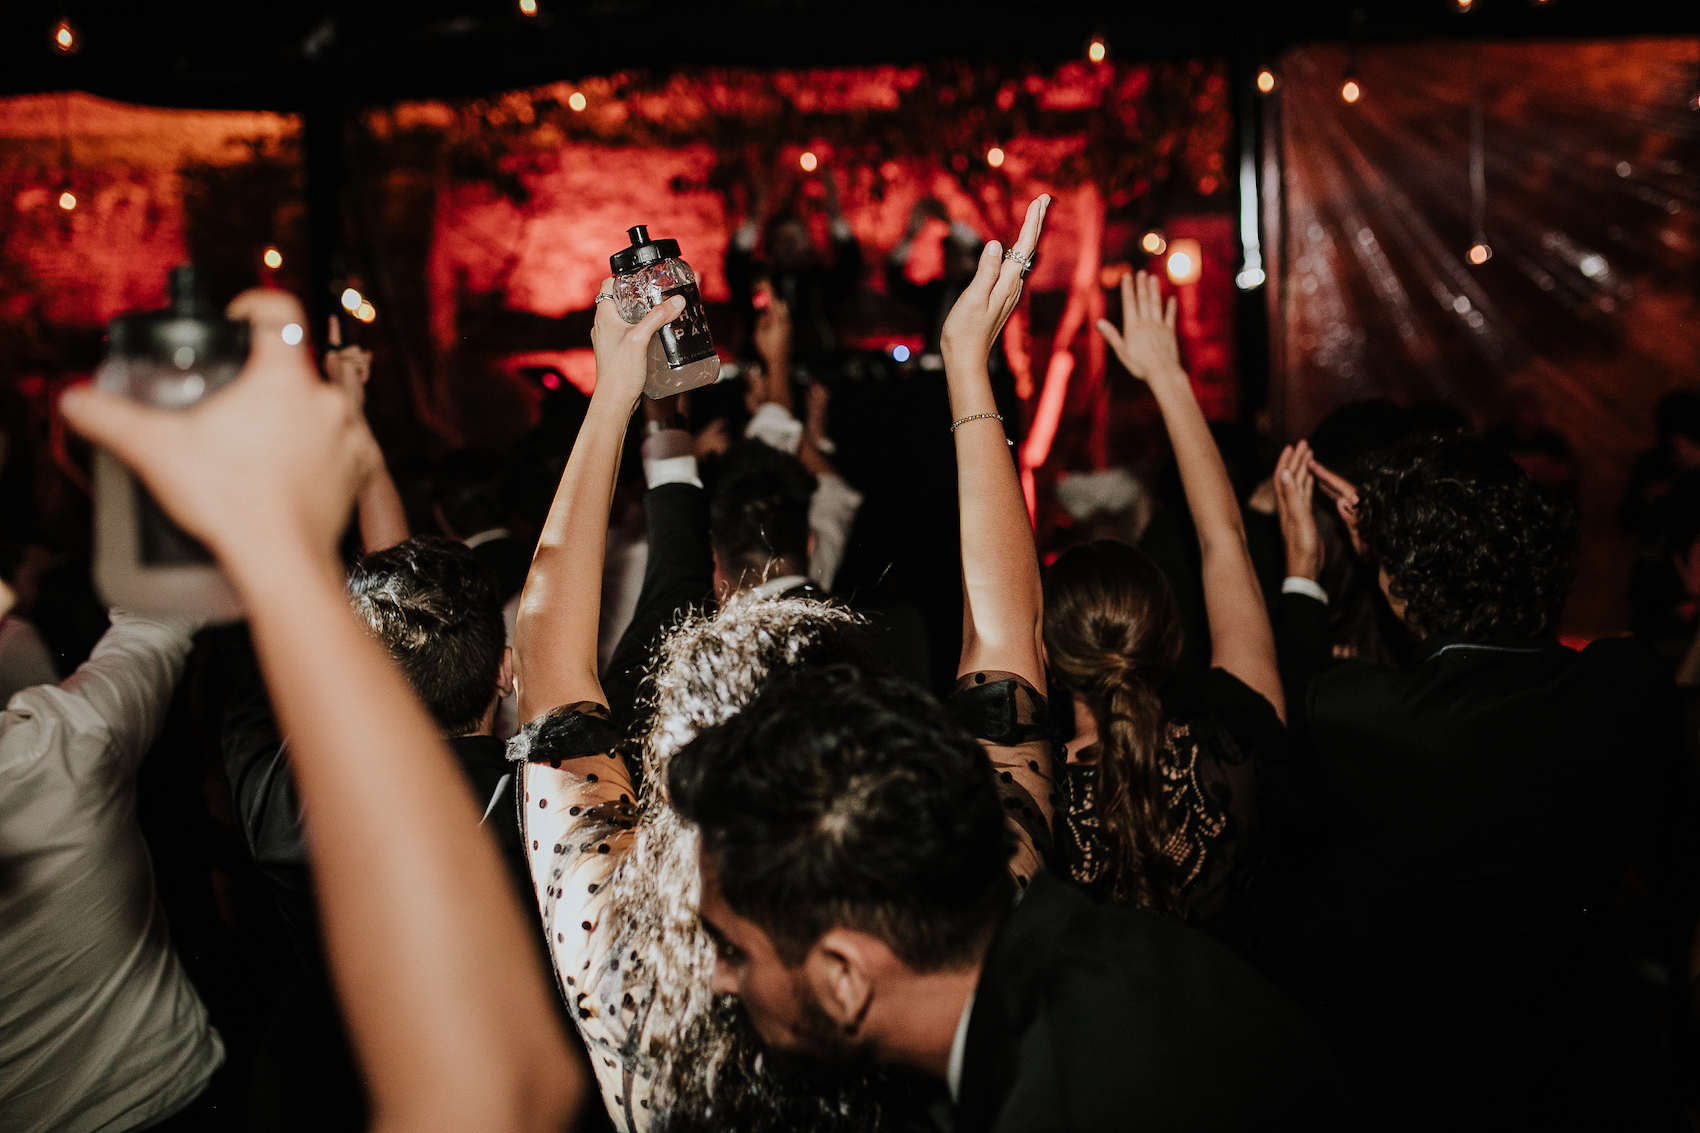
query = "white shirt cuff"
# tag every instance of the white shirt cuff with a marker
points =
(672, 470)
(1293, 584)
(772, 425)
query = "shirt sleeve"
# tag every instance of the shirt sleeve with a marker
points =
(124, 689)
(832, 511)
(578, 818)
(1012, 722)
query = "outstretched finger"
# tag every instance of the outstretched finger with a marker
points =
(1169, 314)
(1334, 484)
(121, 425)
(979, 289)
(1130, 302)
(1111, 335)
(660, 315)
(1010, 278)
(277, 335)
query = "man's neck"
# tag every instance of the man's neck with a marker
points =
(914, 1023)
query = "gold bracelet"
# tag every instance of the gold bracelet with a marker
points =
(973, 417)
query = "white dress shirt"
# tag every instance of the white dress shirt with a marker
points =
(100, 1029)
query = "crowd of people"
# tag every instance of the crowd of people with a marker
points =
(1295, 815)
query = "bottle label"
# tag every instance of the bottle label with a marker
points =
(685, 339)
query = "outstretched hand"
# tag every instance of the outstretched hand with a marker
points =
(622, 348)
(1293, 484)
(979, 315)
(274, 458)
(1146, 341)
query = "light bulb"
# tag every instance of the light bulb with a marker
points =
(1480, 253)
(1153, 243)
(994, 157)
(272, 258)
(67, 200)
(1350, 91)
(1266, 80)
(576, 100)
(1097, 49)
(365, 312)
(528, 7)
(808, 161)
(64, 38)
(351, 299)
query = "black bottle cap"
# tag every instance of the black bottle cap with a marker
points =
(643, 251)
(187, 323)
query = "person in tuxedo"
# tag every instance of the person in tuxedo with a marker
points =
(1483, 803)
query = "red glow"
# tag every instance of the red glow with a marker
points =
(552, 381)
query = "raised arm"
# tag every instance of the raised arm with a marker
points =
(1002, 601)
(559, 609)
(1241, 640)
(447, 1006)
(377, 507)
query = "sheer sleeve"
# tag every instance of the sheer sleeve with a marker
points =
(1012, 721)
(578, 818)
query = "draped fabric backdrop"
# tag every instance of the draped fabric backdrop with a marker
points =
(1587, 311)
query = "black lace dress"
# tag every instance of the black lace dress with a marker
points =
(1220, 761)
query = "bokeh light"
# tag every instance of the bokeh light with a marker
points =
(1153, 243)
(808, 161)
(1266, 80)
(351, 299)
(528, 7)
(365, 312)
(576, 100)
(1480, 253)
(272, 258)
(64, 38)
(994, 157)
(1097, 49)
(1350, 90)
(67, 200)
(900, 353)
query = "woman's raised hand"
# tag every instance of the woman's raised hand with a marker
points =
(1146, 341)
(622, 348)
(1293, 484)
(979, 315)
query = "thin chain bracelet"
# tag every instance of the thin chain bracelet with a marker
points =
(974, 417)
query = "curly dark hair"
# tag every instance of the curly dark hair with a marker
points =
(1471, 545)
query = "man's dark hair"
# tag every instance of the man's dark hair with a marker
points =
(469, 490)
(841, 798)
(760, 510)
(1474, 547)
(439, 612)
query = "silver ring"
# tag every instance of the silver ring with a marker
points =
(1026, 261)
(601, 295)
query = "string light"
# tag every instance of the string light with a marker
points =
(576, 100)
(1266, 80)
(351, 300)
(64, 38)
(1480, 253)
(808, 161)
(994, 157)
(1153, 243)
(67, 200)
(272, 258)
(1463, 5)
(1350, 91)
(365, 312)
(528, 7)
(1097, 49)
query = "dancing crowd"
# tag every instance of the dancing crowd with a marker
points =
(1300, 819)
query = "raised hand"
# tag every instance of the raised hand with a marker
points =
(979, 315)
(772, 335)
(276, 455)
(1293, 484)
(622, 348)
(1146, 341)
(1344, 494)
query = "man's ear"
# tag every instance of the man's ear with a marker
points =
(843, 972)
(505, 673)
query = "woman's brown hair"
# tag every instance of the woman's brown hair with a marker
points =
(1112, 637)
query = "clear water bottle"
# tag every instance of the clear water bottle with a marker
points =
(169, 359)
(681, 355)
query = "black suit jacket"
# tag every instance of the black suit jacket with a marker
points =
(678, 574)
(1093, 1017)
(304, 1076)
(1483, 803)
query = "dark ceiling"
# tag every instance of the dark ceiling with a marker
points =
(286, 55)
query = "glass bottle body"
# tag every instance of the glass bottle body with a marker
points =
(142, 561)
(681, 355)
